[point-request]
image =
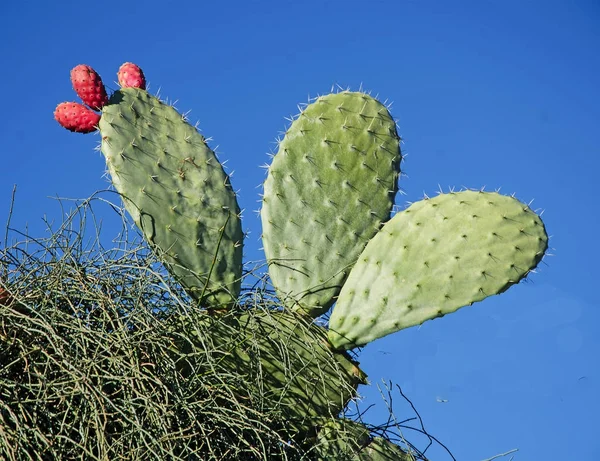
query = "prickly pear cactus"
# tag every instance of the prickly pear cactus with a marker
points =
(433, 258)
(326, 232)
(177, 192)
(328, 190)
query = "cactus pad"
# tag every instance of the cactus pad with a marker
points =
(438, 255)
(287, 363)
(177, 192)
(328, 190)
(351, 441)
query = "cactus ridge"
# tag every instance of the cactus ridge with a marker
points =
(433, 258)
(329, 188)
(177, 192)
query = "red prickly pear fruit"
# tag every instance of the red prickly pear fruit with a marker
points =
(131, 76)
(76, 117)
(88, 86)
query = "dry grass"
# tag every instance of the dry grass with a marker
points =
(91, 364)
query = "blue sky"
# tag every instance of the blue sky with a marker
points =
(486, 93)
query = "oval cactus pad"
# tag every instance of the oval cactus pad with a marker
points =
(329, 188)
(438, 255)
(177, 192)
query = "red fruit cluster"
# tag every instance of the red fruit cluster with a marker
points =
(76, 117)
(131, 76)
(88, 86)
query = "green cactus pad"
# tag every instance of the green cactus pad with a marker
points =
(329, 188)
(438, 255)
(287, 362)
(351, 441)
(177, 192)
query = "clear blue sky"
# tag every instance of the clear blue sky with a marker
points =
(496, 93)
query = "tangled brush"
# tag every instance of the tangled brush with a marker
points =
(103, 356)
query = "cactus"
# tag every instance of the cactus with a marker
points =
(176, 191)
(329, 188)
(433, 258)
(327, 231)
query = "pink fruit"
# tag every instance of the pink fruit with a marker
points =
(131, 76)
(88, 86)
(76, 117)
